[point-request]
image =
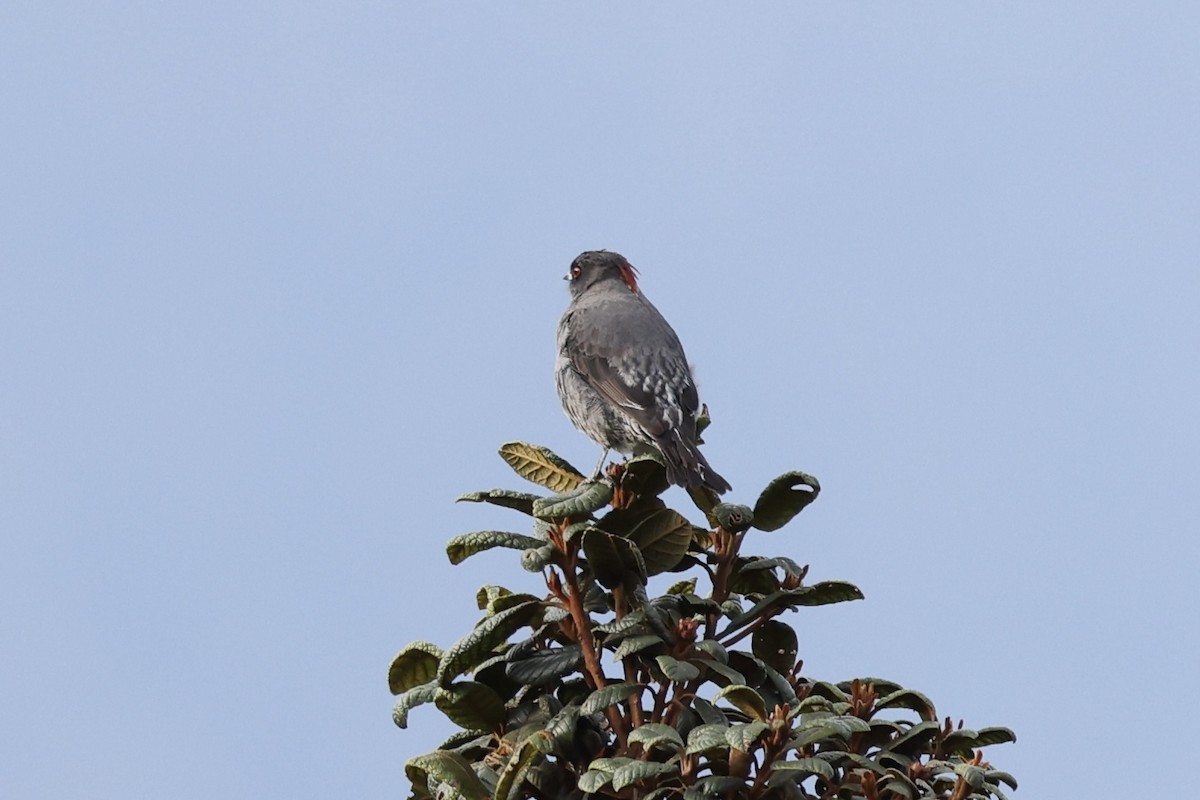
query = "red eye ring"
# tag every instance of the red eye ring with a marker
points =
(576, 271)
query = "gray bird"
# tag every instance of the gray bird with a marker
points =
(621, 373)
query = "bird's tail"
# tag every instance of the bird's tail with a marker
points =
(687, 466)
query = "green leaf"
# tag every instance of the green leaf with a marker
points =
(519, 501)
(914, 739)
(513, 774)
(559, 731)
(416, 696)
(545, 667)
(994, 735)
(473, 648)
(683, 587)
(818, 594)
(974, 775)
(910, 699)
(460, 548)
(663, 538)
(537, 559)
(652, 733)
(707, 737)
(730, 674)
(594, 780)
(612, 558)
(677, 671)
(414, 665)
(662, 535)
(471, 705)
(776, 644)
(490, 594)
(801, 768)
(961, 741)
(637, 771)
(743, 735)
(995, 775)
(709, 714)
(610, 695)
(645, 476)
(712, 786)
(705, 499)
(448, 768)
(540, 466)
(781, 500)
(748, 701)
(579, 502)
(828, 592)
(635, 644)
(733, 517)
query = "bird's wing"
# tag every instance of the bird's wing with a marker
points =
(652, 385)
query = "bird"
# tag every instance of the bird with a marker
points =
(621, 372)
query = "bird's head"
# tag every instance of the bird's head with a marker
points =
(596, 267)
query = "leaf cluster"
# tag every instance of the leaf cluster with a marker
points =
(599, 689)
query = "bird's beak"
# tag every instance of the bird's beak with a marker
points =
(567, 277)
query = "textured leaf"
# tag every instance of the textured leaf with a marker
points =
(510, 600)
(748, 701)
(645, 476)
(703, 738)
(744, 735)
(637, 771)
(705, 499)
(782, 500)
(961, 741)
(579, 502)
(559, 731)
(519, 501)
(414, 665)
(416, 696)
(683, 587)
(677, 671)
(801, 768)
(994, 735)
(995, 776)
(709, 714)
(460, 548)
(537, 559)
(490, 594)
(473, 648)
(513, 774)
(545, 667)
(635, 644)
(540, 466)
(730, 674)
(663, 539)
(653, 733)
(733, 517)
(776, 644)
(594, 780)
(914, 739)
(818, 594)
(612, 558)
(471, 705)
(828, 592)
(611, 695)
(448, 768)
(662, 535)
(713, 649)
(910, 699)
(714, 787)
(972, 774)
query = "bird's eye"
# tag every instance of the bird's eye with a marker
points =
(576, 270)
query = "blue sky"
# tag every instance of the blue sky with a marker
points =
(277, 280)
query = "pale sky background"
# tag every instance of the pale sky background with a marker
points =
(277, 279)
